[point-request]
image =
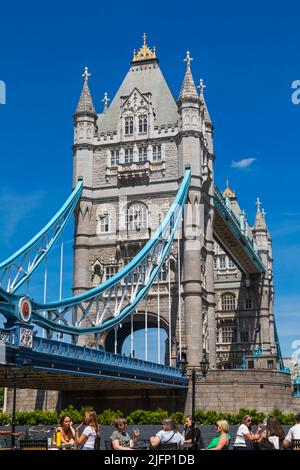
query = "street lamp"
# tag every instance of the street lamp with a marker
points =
(195, 375)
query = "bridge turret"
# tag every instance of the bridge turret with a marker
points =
(85, 127)
(263, 243)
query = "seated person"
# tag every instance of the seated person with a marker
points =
(293, 434)
(120, 439)
(187, 434)
(167, 435)
(244, 432)
(67, 432)
(274, 433)
(222, 440)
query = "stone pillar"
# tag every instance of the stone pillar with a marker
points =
(210, 288)
(192, 291)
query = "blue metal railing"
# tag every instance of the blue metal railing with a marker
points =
(227, 213)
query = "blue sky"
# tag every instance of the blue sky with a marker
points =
(248, 56)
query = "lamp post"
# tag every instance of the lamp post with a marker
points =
(195, 375)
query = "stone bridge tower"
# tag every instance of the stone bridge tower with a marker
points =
(131, 158)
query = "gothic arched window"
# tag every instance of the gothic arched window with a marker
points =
(137, 216)
(129, 125)
(143, 124)
(97, 274)
(228, 301)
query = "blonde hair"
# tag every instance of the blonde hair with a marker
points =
(119, 421)
(223, 425)
(90, 418)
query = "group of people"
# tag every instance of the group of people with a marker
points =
(269, 434)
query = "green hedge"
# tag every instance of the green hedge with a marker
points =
(140, 417)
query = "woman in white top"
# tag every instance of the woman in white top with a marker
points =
(244, 432)
(88, 436)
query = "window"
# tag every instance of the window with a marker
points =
(244, 336)
(139, 274)
(128, 125)
(248, 303)
(110, 271)
(230, 263)
(215, 262)
(114, 159)
(156, 153)
(250, 364)
(97, 275)
(143, 154)
(128, 155)
(228, 302)
(137, 217)
(222, 262)
(229, 334)
(270, 364)
(104, 224)
(143, 124)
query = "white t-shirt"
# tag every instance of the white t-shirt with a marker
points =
(170, 437)
(240, 439)
(91, 436)
(275, 441)
(294, 433)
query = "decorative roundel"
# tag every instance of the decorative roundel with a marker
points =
(25, 309)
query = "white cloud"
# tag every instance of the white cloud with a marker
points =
(244, 163)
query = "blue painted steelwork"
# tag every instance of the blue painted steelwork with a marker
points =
(18, 268)
(56, 356)
(120, 295)
(235, 226)
(278, 349)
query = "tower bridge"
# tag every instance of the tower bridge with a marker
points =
(157, 245)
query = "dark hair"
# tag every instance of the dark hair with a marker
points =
(297, 417)
(61, 421)
(274, 428)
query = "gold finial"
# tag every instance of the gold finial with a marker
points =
(228, 192)
(86, 74)
(145, 53)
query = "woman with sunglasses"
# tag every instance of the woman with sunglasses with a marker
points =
(244, 432)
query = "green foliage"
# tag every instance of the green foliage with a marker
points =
(140, 417)
(147, 417)
(178, 416)
(4, 419)
(108, 416)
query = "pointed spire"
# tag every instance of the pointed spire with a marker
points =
(85, 104)
(201, 87)
(188, 88)
(260, 222)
